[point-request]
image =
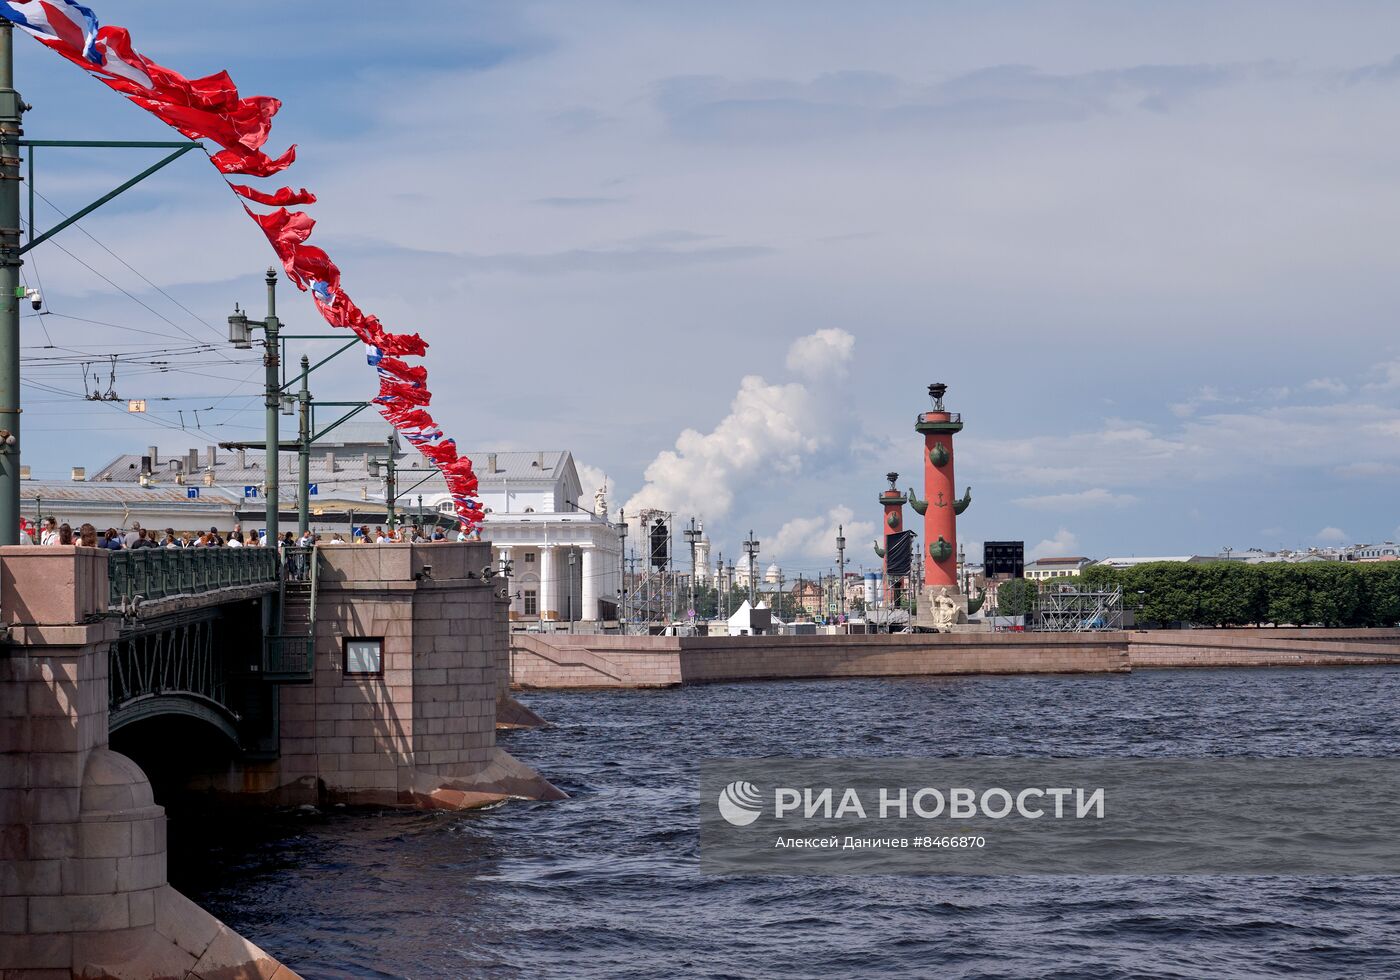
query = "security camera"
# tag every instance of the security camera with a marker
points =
(36, 299)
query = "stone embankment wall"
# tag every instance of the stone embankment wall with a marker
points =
(561, 660)
(564, 661)
(1269, 647)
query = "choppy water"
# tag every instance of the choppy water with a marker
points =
(607, 883)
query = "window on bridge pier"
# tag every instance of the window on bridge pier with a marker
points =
(364, 656)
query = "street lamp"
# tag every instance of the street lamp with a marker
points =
(692, 538)
(841, 564)
(240, 335)
(571, 590)
(751, 549)
(622, 556)
(387, 467)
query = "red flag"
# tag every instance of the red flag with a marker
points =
(279, 198)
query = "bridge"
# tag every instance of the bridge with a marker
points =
(185, 619)
(346, 674)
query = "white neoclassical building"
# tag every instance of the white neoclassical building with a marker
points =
(566, 557)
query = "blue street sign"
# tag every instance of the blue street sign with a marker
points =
(313, 489)
(250, 491)
(192, 493)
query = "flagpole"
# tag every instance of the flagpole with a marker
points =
(11, 109)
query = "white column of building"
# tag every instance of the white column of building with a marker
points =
(590, 584)
(549, 586)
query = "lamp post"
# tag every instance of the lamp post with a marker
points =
(841, 565)
(11, 109)
(751, 550)
(571, 589)
(622, 557)
(240, 335)
(390, 473)
(304, 449)
(692, 537)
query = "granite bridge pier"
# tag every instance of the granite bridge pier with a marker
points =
(344, 674)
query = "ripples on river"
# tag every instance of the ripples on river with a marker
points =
(606, 884)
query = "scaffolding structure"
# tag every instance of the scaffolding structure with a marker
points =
(1069, 610)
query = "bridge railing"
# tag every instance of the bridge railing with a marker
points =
(159, 573)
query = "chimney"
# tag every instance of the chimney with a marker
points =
(79, 474)
(242, 460)
(155, 455)
(213, 456)
(192, 461)
(175, 465)
(330, 462)
(208, 478)
(539, 460)
(23, 472)
(146, 465)
(490, 462)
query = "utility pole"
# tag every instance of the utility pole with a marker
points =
(390, 490)
(751, 549)
(272, 455)
(719, 586)
(622, 582)
(304, 449)
(11, 110)
(692, 536)
(571, 588)
(841, 565)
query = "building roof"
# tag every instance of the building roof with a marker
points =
(1134, 560)
(1077, 560)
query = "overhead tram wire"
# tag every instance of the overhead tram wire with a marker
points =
(139, 302)
(137, 272)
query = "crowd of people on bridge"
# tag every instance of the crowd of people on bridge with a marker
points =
(51, 532)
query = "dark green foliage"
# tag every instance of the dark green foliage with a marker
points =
(1016, 597)
(1235, 594)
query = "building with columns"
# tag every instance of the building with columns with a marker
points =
(566, 555)
(566, 558)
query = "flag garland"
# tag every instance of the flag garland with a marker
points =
(211, 109)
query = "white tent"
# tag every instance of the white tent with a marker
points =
(748, 621)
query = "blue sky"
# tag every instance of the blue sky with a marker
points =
(1151, 247)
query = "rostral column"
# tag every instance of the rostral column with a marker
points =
(893, 502)
(941, 505)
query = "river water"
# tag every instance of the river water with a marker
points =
(607, 883)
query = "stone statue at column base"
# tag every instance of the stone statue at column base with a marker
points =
(943, 609)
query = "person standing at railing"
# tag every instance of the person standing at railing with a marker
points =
(235, 540)
(65, 535)
(49, 535)
(87, 536)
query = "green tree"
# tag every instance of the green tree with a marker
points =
(1336, 592)
(1286, 587)
(1382, 580)
(1017, 597)
(1229, 594)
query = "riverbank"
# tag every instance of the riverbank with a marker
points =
(564, 661)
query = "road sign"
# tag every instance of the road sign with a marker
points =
(313, 489)
(250, 492)
(136, 405)
(192, 493)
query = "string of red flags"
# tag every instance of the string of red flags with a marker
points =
(212, 109)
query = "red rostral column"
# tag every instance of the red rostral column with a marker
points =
(941, 507)
(893, 502)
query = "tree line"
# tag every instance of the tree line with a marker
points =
(1227, 593)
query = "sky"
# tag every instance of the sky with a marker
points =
(718, 251)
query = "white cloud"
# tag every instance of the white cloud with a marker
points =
(1332, 535)
(820, 355)
(1330, 385)
(771, 429)
(1083, 500)
(1062, 545)
(815, 537)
